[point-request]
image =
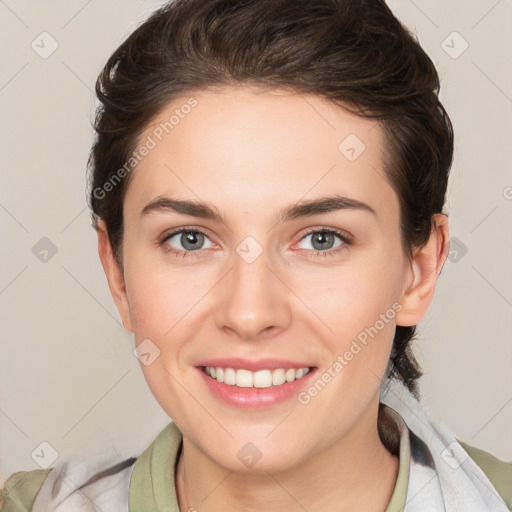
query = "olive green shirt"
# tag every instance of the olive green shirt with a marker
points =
(151, 477)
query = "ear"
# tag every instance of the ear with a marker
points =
(425, 266)
(114, 275)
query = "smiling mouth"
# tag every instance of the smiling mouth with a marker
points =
(260, 379)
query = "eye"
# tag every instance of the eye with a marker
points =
(190, 240)
(183, 242)
(323, 240)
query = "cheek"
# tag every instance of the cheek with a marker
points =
(157, 303)
(357, 308)
(165, 301)
(352, 297)
(156, 295)
(147, 302)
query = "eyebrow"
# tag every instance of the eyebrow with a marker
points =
(300, 209)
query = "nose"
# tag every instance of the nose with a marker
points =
(253, 299)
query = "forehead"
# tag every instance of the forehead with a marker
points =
(244, 147)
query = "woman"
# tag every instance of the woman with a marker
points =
(267, 184)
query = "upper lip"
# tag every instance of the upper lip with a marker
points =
(239, 363)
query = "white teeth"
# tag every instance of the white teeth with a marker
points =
(243, 378)
(278, 377)
(260, 379)
(229, 376)
(290, 375)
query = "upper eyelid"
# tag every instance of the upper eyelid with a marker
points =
(177, 231)
(340, 232)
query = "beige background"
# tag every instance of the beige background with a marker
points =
(68, 376)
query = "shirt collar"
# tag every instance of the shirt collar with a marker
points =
(152, 485)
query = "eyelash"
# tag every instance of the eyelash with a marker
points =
(315, 254)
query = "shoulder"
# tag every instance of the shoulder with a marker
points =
(21, 488)
(70, 486)
(89, 483)
(497, 471)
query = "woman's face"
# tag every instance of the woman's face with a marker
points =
(250, 286)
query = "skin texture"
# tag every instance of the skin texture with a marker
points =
(251, 154)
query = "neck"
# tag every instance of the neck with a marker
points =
(338, 478)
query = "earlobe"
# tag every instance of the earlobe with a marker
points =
(425, 267)
(114, 275)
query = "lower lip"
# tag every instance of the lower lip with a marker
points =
(255, 398)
